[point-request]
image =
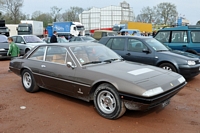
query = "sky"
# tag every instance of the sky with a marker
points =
(190, 9)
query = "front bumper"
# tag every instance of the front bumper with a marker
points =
(189, 71)
(143, 103)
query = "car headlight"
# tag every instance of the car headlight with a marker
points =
(153, 92)
(191, 63)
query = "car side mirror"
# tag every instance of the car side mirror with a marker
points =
(145, 51)
(69, 65)
(22, 42)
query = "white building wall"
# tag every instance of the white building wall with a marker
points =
(105, 17)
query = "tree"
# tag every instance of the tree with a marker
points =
(146, 15)
(166, 13)
(46, 18)
(72, 14)
(198, 23)
(12, 8)
(55, 12)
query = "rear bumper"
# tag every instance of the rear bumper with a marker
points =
(143, 103)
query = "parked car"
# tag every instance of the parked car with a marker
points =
(98, 34)
(93, 72)
(26, 42)
(150, 51)
(184, 38)
(4, 46)
(82, 39)
(59, 39)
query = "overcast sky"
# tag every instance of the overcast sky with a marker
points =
(189, 8)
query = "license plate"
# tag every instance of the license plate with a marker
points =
(165, 103)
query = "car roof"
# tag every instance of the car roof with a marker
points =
(71, 44)
(189, 27)
(138, 37)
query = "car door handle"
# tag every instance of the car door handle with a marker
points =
(128, 54)
(43, 66)
(184, 46)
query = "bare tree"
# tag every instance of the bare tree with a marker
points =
(72, 14)
(166, 13)
(55, 12)
(146, 15)
(198, 23)
(12, 8)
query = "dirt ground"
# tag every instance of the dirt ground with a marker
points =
(49, 112)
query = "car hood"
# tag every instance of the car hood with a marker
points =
(180, 54)
(145, 77)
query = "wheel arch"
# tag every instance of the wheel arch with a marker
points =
(175, 65)
(96, 84)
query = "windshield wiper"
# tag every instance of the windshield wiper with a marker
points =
(161, 50)
(92, 62)
(110, 60)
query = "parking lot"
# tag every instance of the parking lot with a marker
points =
(46, 111)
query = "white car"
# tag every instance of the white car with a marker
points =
(27, 42)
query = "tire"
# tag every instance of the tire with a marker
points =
(107, 102)
(27, 50)
(28, 81)
(168, 66)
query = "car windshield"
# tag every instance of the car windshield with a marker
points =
(92, 54)
(3, 38)
(32, 39)
(156, 45)
(88, 38)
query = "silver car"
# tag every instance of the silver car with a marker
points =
(27, 42)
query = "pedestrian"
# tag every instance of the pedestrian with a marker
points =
(13, 49)
(54, 38)
(126, 33)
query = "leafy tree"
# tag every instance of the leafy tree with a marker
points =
(46, 18)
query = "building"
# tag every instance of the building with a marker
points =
(98, 18)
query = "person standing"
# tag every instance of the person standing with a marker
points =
(54, 38)
(13, 48)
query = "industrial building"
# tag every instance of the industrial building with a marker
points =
(98, 18)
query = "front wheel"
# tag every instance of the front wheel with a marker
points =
(28, 81)
(107, 102)
(168, 66)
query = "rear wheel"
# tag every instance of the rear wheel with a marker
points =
(28, 81)
(107, 102)
(168, 66)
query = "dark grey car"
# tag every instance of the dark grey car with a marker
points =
(4, 47)
(93, 72)
(150, 51)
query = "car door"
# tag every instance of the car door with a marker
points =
(118, 45)
(179, 40)
(135, 52)
(21, 44)
(55, 74)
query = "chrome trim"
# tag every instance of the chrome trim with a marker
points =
(72, 58)
(62, 80)
(75, 56)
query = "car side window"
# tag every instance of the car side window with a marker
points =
(38, 54)
(14, 38)
(179, 37)
(195, 36)
(56, 54)
(163, 36)
(109, 43)
(78, 39)
(135, 45)
(118, 44)
(19, 39)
